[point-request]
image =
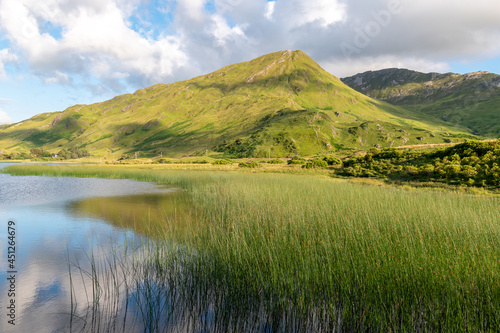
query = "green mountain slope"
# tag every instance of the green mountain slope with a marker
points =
(283, 103)
(471, 100)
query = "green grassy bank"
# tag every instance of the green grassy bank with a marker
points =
(342, 255)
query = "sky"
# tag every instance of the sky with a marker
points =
(58, 53)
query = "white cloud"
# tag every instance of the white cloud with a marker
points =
(342, 67)
(325, 12)
(192, 9)
(270, 10)
(96, 43)
(387, 32)
(4, 118)
(6, 56)
(58, 78)
(222, 31)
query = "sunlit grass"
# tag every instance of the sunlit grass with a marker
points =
(349, 255)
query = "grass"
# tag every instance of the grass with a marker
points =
(302, 253)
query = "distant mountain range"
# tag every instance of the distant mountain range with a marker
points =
(471, 100)
(282, 104)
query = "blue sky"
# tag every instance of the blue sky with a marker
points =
(57, 53)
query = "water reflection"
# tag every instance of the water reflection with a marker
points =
(63, 220)
(86, 262)
(148, 214)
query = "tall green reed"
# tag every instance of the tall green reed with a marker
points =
(309, 253)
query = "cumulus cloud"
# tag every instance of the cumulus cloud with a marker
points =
(270, 10)
(4, 118)
(95, 41)
(348, 67)
(59, 78)
(222, 31)
(6, 56)
(325, 12)
(426, 32)
(108, 45)
(191, 10)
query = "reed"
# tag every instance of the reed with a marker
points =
(280, 253)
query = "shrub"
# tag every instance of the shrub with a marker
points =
(76, 153)
(249, 164)
(472, 163)
(427, 169)
(332, 160)
(320, 163)
(222, 162)
(452, 170)
(23, 156)
(36, 152)
(411, 170)
(308, 165)
(296, 160)
(315, 164)
(276, 161)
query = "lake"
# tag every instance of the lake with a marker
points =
(63, 225)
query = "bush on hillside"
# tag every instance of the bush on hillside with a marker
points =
(296, 160)
(332, 160)
(316, 163)
(249, 164)
(222, 162)
(276, 161)
(472, 163)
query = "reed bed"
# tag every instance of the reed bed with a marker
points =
(285, 253)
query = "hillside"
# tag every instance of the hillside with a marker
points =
(471, 100)
(281, 103)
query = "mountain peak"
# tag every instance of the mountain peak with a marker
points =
(271, 63)
(275, 65)
(289, 72)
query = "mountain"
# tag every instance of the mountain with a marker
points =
(471, 100)
(282, 103)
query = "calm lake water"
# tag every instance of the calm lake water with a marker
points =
(62, 220)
